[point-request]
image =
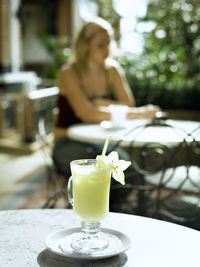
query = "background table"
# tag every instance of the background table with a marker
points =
(96, 134)
(154, 243)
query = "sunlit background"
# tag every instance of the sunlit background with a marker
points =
(158, 46)
(129, 11)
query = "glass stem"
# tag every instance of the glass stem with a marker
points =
(90, 228)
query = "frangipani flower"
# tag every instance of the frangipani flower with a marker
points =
(118, 166)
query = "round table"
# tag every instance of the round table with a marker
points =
(97, 133)
(154, 243)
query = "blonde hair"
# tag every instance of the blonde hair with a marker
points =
(81, 46)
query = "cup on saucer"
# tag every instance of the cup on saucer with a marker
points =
(118, 115)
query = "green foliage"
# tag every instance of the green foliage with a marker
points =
(107, 11)
(59, 52)
(167, 73)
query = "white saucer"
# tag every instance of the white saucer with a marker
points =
(108, 125)
(54, 239)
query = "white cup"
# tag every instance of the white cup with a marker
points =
(118, 115)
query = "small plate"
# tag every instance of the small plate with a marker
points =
(54, 240)
(108, 125)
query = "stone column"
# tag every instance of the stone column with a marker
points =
(64, 18)
(10, 37)
(5, 63)
(15, 36)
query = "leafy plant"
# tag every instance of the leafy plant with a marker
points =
(167, 73)
(59, 51)
(107, 11)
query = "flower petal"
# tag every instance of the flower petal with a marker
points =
(118, 166)
(113, 157)
(123, 164)
(118, 176)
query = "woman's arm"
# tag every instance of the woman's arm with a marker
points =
(120, 85)
(144, 112)
(84, 109)
(105, 102)
(124, 95)
(87, 111)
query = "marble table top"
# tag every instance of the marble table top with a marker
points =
(96, 134)
(154, 243)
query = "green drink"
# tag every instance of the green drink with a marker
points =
(88, 192)
(91, 190)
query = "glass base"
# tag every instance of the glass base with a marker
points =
(93, 242)
(88, 244)
(91, 239)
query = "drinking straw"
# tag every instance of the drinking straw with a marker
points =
(107, 143)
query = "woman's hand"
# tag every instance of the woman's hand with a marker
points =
(105, 102)
(101, 102)
(150, 111)
(144, 112)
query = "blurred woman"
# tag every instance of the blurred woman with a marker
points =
(88, 84)
(92, 81)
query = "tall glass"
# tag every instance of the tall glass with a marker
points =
(88, 192)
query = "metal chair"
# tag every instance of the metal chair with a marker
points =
(170, 187)
(55, 176)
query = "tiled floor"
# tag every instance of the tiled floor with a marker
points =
(20, 175)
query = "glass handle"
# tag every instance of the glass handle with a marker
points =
(70, 191)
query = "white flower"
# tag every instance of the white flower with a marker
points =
(118, 166)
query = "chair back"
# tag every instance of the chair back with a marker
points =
(170, 188)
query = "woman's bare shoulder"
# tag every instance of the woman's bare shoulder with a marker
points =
(67, 69)
(67, 78)
(68, 73)
(114, 68)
